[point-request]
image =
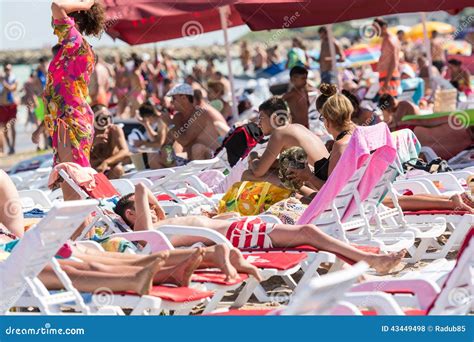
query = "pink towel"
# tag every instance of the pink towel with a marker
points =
(363, 141)
(83, 176)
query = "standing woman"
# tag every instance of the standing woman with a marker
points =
(69, 118)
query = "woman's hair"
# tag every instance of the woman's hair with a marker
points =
(354, 100)
(338, 111)
(327, 90)
(147, 109)
(91, 22)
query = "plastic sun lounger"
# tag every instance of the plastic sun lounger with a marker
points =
(34, 251)
(454, 297)
(393, 222)
(427, 227)
(276, 263)
(211, 280)
(61, 221)
(356, 229)
(321, 296)
(457, 221)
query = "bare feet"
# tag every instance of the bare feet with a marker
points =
(459, 202)
(384, 263)
(145, 260)
(243, 265)
(182, 272)
(221, 260)
(144, 277)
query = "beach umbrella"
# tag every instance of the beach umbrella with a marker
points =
(274, 14)
(458, 47)
(362, 54)
(416, 32)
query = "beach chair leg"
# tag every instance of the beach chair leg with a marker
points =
(417, 253)
(311, 269)
(245, 293)
(214, 302)
(147, 305)
(289, 281)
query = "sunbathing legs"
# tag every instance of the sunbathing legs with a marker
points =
(89, 276)
(230, 261)
(430, 202)
(284, 235)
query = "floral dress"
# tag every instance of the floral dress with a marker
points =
(66, 91)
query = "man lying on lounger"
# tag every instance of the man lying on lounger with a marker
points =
(142, 211)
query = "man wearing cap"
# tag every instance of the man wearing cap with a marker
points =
(194, 127)
(387, 67)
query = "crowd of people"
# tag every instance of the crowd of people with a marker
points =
(189, 121)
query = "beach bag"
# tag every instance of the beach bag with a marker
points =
(240, 142)
(288, 211)
(251, 198)
(435, 166)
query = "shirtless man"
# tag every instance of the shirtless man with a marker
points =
(297, 97)
(109, 149)
(194, 127)
(460, 76)
(100, 84)
(437, 51)
(143, 212)
(387, 67)
(137, 86)
(274, 121)
(394, 110)
(325, 60)
(219, 121)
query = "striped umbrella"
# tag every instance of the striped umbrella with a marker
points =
(362, 54)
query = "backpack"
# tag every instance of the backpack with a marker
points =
(239, 142)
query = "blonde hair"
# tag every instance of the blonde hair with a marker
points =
(338, 111)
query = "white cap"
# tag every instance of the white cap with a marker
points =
(408, 70)
(181, 89)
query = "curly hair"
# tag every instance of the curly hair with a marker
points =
(91, 22)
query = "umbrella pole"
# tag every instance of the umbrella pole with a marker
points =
(332, 51)
(223, 16)
(427, 43)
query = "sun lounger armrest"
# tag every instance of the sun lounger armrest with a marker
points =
(170, 230)
(447, 180)
(383, 303)
(425, 290)
(156, 241)
(415, 186)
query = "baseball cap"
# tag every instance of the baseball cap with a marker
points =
(181, 89)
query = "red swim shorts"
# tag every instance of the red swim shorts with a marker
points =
(250, 233)
(7, 113)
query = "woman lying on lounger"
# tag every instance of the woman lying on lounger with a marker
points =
(142, 211)
(90, 269)
(336, 113)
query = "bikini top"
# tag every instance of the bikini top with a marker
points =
(321, 167)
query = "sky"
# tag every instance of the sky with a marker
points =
(26, 24)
